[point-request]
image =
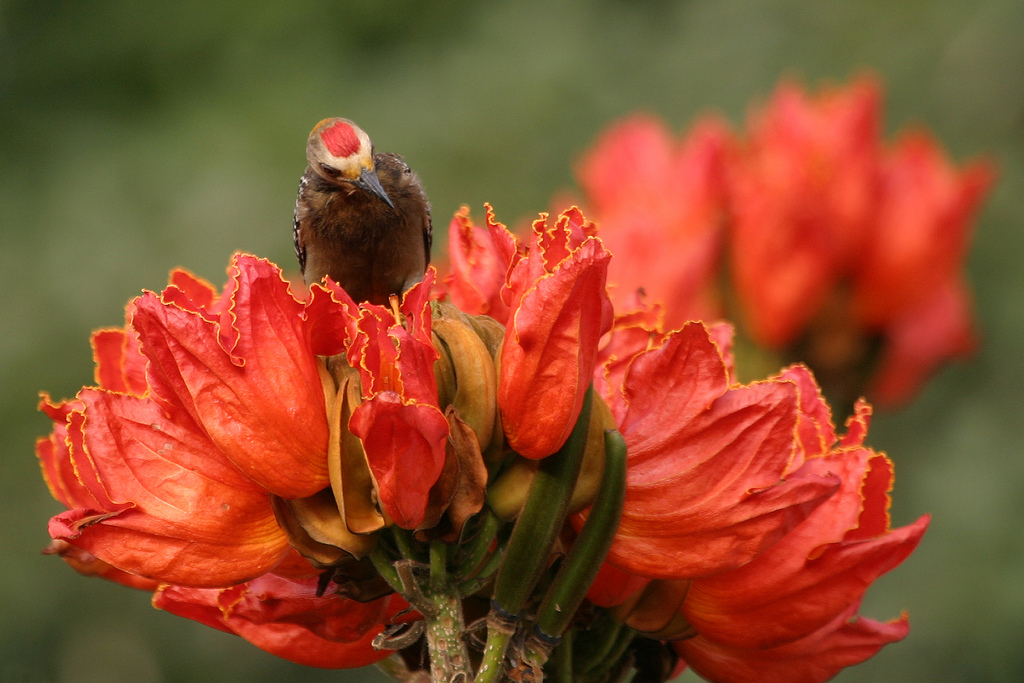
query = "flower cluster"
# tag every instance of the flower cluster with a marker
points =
(568, 462)
(839, 251)
(243, 452)
(750, 530)
(207, 406)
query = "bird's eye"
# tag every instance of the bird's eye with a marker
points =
(330, 170)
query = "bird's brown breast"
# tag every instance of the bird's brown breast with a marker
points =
(370, 249)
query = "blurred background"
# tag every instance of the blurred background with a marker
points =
(141, 135)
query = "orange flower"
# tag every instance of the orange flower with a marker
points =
(790, 612)
(841, 252)
(803, 192)
(838, 242)
(402, 428)
(167, 470)
(659, 205)
(169, 480)
(558, 312)
(845, 641)
(220, 364)
(686, 427)
(206, 405)
(792, 609)
(231, 432)
(910, 283)
(921, 235)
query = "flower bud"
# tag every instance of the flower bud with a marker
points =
(508, 493)
(472, 369)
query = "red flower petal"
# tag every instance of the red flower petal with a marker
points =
(332, 317)
(613, 586)
(922, 230)
(708, 494)
(921, 340)
(817, 571)
(550, 347)
(510, 252)
(857, 425)
(287, 619)
(86, 564)
(478, 270)
(815, 429)
(120, 366)
(171, 507)
(659, 206)
(272, 598)
(722, 334)
(194, 293)
(804, 191)
(405, 448)
(250, 380)
(391, 356)
(628, 338)
(813, 659)
(54, 453)
(668, 386)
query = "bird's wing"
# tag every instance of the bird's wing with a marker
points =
(428, 231)
(405, 180)
(299, 217)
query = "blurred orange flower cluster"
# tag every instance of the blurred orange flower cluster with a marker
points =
(826, 245)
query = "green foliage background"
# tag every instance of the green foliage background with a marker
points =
(140, 135)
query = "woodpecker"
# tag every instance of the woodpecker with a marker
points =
(360, 218)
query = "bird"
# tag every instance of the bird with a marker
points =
(362, 219)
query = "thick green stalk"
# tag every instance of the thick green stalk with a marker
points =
(406, 543)
(526, 553)
(597, 643)
(449, 658)
(492, 666)
(476, 549)
(562, 671)
(438, 565)
(384, 567)
(580, 567)
(614, 656)
(483, 576)
(535, 532)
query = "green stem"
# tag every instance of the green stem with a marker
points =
(449, 658)
(383, 565)
(528, 548)
(614, 655)
(563, 670)
(538, 526)
(438, 566)
(589, 549)
(406, 543)
(499, 633)
(436, 599)
(599, 644)
(476, 550)
(481, 577)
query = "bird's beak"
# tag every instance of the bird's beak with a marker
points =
(369, 182)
